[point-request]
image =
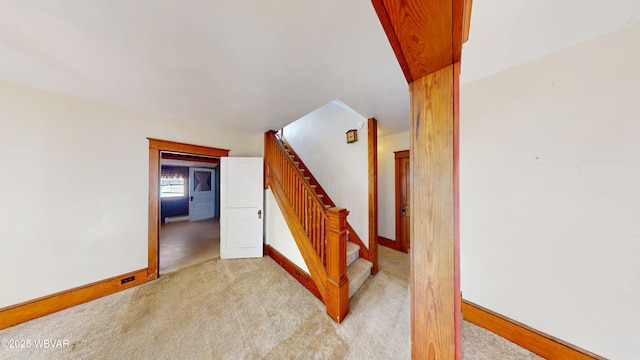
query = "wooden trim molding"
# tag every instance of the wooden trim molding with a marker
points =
(206, 160)
(172, 146)
(156, 146)
(29, 310)
(372, 134)
(531, 339)
(153, 240)
(294, 270)
(466, 22)
(392, 244)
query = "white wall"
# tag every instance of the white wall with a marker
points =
(340, 168)
(277, 233)
(550, 206)
(74, 187)
(387, 145)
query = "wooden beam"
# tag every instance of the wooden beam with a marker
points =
(433, 299)
(426, 35)
(385, 20)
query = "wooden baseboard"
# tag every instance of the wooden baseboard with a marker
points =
(533, 340)
(29, 310)
(388, 243)
(294, 270)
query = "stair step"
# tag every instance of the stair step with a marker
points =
(353, 252)
(357, 273)
(307, 178)
(314, 187)
(321, 196)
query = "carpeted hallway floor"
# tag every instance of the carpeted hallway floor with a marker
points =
(242, 309)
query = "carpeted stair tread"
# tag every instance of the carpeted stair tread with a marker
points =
(357, 273)
(353, 252)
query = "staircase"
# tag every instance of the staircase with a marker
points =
(358, 269)
(299, 195)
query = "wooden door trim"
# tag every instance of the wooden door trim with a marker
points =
(372, 134)
(402, 154)
(156, 146)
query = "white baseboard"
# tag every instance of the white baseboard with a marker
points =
(176, 218)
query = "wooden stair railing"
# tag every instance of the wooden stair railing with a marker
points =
(320, 233)
(326, 200)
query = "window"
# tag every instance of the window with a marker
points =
(172, 187)
(173, 181)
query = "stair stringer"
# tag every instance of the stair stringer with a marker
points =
(317, 270)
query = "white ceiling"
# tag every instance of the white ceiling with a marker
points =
(254, 65)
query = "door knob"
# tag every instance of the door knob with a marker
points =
(259, 214)
(192, 198)
(404, 211)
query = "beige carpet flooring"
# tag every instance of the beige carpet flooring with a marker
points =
(242, 309)
(185, 243)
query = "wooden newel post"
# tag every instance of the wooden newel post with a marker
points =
(337, 300)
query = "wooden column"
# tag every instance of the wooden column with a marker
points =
(433, 248)
(373, 193)
(427, 38)
(337, 300)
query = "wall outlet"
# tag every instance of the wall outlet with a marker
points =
(127, 279)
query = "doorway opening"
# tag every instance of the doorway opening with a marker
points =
(189, 210)
(403, 211)
(156, 149)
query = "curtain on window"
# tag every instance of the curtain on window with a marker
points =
(172, 172)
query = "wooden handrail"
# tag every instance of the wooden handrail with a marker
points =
(320, 234)
(353, 235)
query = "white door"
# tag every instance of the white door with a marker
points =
(241, 213)
(201, 194)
